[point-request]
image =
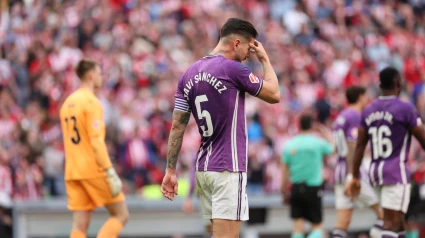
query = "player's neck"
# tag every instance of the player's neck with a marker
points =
(389, 93)
(87, 85)
(305, 132)
(355, 107)
(223, 50)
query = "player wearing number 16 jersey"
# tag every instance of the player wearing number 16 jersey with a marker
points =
(91, 180)
(388, 124)
(213, 90)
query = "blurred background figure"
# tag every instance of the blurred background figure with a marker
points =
(303, 158)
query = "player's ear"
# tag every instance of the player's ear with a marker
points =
(236, 43)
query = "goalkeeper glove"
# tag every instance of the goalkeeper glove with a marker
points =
(114, 181)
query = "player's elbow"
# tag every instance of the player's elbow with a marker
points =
(275, 98)
(178, 127)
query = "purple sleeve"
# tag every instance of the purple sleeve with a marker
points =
(352, 129)
(181, 100)
(244, 79)
(413, 119)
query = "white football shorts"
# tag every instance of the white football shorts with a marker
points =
(367, 197)
(223, 195)
(395, 197)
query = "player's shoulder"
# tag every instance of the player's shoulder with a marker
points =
(192, 70)
(408, 106)
(346, 116)
(407, 110)
(233, 67)
(290, 144)
(400, 108)
(83, 97)
(373, 106)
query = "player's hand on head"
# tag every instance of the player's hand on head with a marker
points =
(257, 48)
(169, 186)
(114, 181)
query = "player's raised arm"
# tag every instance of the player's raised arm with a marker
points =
(169, 183)
(270, 91)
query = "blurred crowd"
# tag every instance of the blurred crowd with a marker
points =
(317, 47)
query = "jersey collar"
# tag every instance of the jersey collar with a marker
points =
(387, 97)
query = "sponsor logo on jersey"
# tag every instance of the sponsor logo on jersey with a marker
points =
(253, 78)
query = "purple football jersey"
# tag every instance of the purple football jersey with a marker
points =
(344, 130)
(388, 122)
(213, 89)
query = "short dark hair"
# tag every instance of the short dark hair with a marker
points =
(84, 66)
(388, 78)
(353, 93)
(306, 121)
(240, 27)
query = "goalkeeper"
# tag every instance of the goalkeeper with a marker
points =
(91, 181)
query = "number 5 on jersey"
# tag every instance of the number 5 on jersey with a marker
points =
(204, 114)
(76, 138)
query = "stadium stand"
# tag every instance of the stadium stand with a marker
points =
(317, 47)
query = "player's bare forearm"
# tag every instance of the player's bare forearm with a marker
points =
(270, 76)
(359, 152)
(350, 154)
(101, 152)
(270, 91)
(180, 120)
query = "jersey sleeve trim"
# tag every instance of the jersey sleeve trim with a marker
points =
(182, 105)
(259, 88)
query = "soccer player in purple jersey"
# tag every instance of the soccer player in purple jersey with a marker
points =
(345, 135)
(213, 89)
(388, 124)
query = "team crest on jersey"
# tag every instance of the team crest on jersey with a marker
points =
(96, 125)
(253, 78)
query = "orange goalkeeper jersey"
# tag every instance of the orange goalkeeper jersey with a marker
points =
(81, 118)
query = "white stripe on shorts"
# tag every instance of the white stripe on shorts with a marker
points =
(402, 160)
(233, 135)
